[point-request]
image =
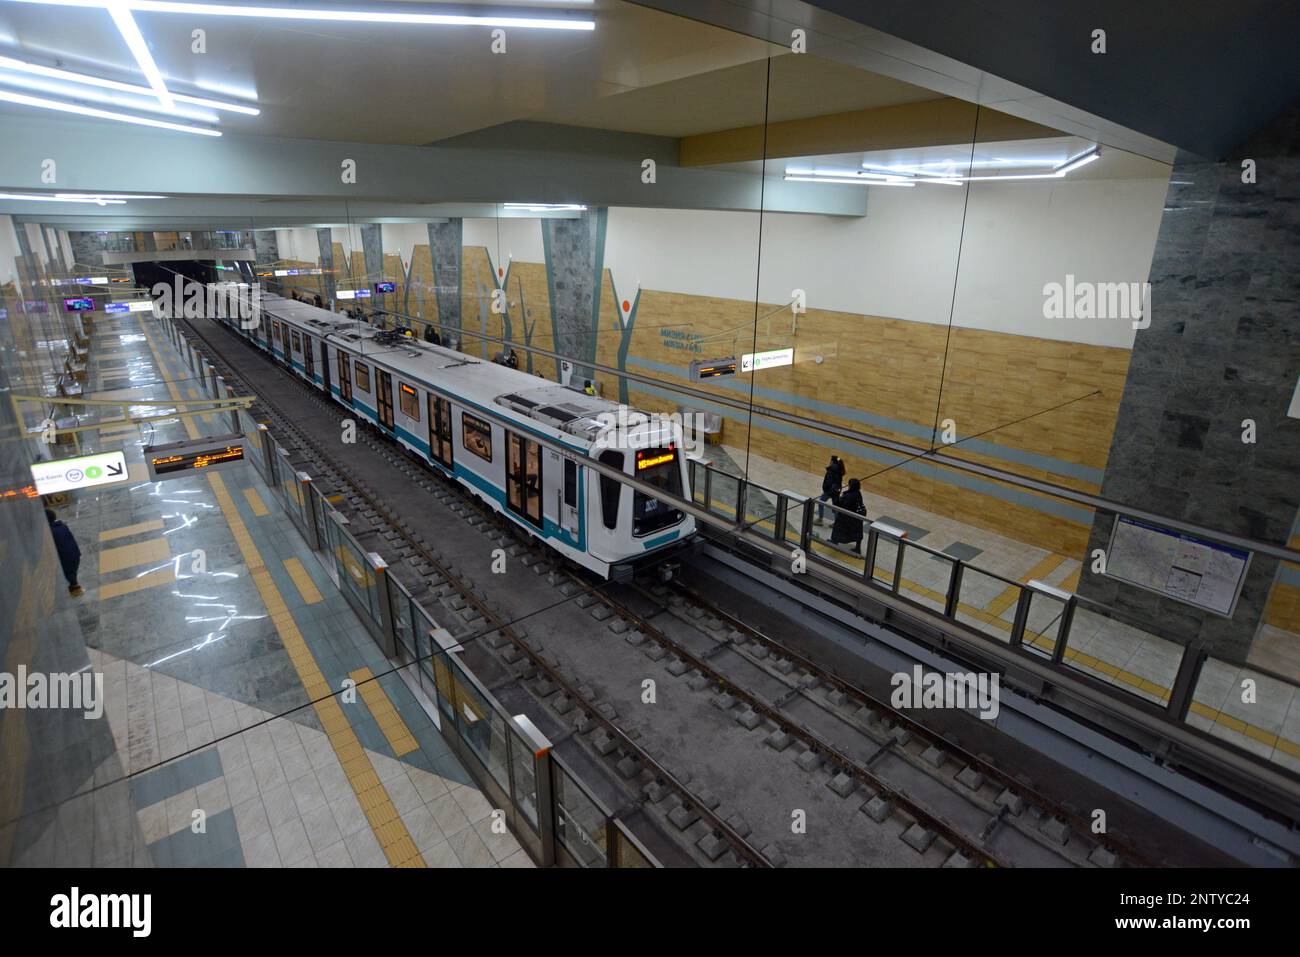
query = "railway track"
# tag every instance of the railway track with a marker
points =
(443, 577)
(765, 682)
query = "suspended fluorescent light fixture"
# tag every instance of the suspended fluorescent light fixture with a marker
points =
(328, 15)
(93, 197)
(22, 66)
(130, 30)
(61, 106)
(45, 198)
(951, 178)
(855, 177)
(545, 207)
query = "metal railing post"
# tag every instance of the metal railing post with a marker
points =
(779, 525)
(1185, 681)
(954, 590)
(1022, 616)
(379, 567)
(1063, 629)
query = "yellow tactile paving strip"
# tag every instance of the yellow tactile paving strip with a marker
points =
(390, 831)
(306, 587)
(1076, 657)
(126, 531)
(390, 722)
(164, 576)
(1040, 571)
(129, 556)
(255, 503)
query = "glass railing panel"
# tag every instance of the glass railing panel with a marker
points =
(1249, 708)
(1141, 663)
(885, 560)
(925, 576)
(981, 600)
(524, 765)
(481, 727)
(1043, 624)
(580, 824)
(760, 510)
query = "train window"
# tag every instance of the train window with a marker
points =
(297, 342)
(662, 469)
(362, 376)
(275, 328)
(570, 483)
(478, 436)
(409, 400)
(610, 489)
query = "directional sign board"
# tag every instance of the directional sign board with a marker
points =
(85, 471)
(754, 361)
(179, 459)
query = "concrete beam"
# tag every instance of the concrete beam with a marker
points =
(104, 157)
(942, 122)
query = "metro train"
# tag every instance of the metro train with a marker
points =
(431, 399)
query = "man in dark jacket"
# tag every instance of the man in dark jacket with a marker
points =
(69, 553)
(848, 528)
(831, 483)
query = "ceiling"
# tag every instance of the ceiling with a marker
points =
(1202, 75)
(403, 84)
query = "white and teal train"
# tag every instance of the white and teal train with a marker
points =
(432, 400)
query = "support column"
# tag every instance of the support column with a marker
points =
(1217, 368)
(325, 243)
(445, 241)
(372, 248)
(575, 263)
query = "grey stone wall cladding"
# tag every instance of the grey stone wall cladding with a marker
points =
(573, 265)
(445, 251)
(1223, 346)
(266, 246)
(325, 246)
(372, 248)
(87, 248)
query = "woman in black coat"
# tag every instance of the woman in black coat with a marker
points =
(848, 528)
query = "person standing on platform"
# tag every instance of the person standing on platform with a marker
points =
(831, 484)
(848, 526)
(69, 552)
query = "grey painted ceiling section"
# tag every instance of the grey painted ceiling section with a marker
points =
(107, 158)
(1200, 75)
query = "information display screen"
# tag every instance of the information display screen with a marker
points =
(178, 459)
(79, 304)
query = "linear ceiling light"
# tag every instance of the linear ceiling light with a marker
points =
(80, 197)
(856, 177)
(951, 178)
(45, 198)
(545, 207)
(42, 103)
(9, 63)
(337, 16)
(130, 31)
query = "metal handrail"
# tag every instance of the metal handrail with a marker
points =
(1191, 660)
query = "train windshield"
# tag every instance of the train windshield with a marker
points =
(661, 468)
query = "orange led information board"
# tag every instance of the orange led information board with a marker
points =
(179, 459)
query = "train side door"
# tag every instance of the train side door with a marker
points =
(309, 356)
(566, 492)
(384, 398)
(524, 478)
(345, 376)
(325, 365)
(440, 431)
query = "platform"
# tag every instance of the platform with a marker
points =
(207, 614)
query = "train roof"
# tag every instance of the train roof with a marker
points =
(563, 410)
